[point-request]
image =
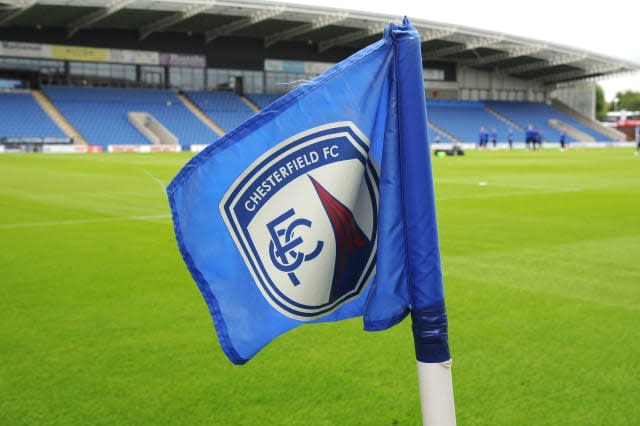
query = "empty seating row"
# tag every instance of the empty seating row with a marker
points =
(22, 117)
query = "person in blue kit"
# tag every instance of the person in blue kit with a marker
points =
(494, 137)
(510, 138)
(530, 137)
(483, 138)
(563, 140)
(637, 140)
(537, 140)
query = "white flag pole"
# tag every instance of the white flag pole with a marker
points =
(436, 393)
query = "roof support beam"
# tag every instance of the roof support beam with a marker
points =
(16, 11)
(231, 27)
(317, 23)
(87, 20)
(351, 37)
(469, 45)
(558, 60)
(186, 13)
(577, 74)
(435, 34)
(509, 54)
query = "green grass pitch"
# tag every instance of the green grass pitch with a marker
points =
(100, 322)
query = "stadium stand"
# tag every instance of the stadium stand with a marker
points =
(189, 78)
(538, 114)
(22, 117)
(463, 120)
(100, 114)
(224, 108)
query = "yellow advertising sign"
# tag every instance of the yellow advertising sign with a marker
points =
(78, 53)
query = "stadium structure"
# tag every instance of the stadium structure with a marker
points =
(155, 75)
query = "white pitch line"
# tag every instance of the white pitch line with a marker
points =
(509, 185)
(83, 221)
(505, 194)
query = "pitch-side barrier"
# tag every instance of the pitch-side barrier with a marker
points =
(82, 149)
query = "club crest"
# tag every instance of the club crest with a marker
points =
(304, 218)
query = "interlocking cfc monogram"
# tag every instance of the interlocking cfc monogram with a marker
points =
(283, 244)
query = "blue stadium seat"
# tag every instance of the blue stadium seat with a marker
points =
(21, 116)
(100, 114)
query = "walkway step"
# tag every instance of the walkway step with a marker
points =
(250, 104)
(444, 132)
(504, 119)
(195, 109)
(58, 118)
(593, 124)
(571, 131)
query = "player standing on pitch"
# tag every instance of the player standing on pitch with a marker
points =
(530, 137)
(483, 137)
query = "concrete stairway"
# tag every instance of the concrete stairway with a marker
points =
(58, 118)
(504, 119)
(200, 114)
(444, 132)
(250, 104)
(571, 131)
(612, 133)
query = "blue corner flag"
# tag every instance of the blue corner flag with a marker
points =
(321, 208)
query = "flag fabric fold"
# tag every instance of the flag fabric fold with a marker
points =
(321, 208)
